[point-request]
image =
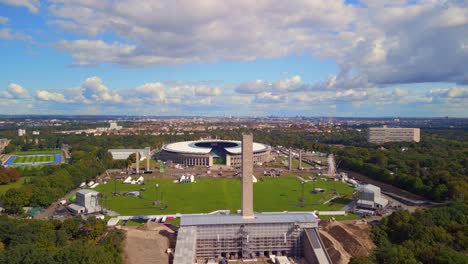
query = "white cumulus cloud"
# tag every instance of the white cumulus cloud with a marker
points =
(51, 96)
(31, 5)
(95, 91)
(379, 42)
(15, 91)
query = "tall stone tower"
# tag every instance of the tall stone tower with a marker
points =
(290, 160)
(137, 157)
(247, 173)
(300, 159)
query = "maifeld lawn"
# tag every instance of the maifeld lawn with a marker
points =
(210, 194)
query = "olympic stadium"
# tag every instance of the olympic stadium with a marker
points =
(212, 152)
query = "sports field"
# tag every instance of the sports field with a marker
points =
(33, 158)
(210, 194)
(33, 152)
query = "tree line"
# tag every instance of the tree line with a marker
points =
(9, 175)
(436, 168)
(72, 241)
(432, 236)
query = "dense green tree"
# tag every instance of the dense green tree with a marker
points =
(436, 235)
(9, 175)
(36, 241)
(15, 199)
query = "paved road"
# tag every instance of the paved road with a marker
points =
(45, 214)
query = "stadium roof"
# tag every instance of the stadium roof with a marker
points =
(260, 218)
(190, 147)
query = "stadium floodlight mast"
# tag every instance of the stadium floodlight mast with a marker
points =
(302, 199)
(156, 200)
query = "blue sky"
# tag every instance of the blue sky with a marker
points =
(301, 57)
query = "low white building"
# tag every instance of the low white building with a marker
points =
(369, 197)
(21, 132)
(123, 154)
(113, 126)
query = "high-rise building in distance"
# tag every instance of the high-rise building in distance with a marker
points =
(392, 134)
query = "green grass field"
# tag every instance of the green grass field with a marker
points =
(210, 194)
(30, 159)
(4, 188)
(282, 162)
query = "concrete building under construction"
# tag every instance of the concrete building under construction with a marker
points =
(249, 235)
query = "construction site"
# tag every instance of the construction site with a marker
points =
(247, 236)
(150, 243)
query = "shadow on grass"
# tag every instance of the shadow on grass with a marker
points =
(342, 200)
(135, 222)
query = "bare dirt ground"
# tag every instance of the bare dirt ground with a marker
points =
(345, 240)
(148, 244)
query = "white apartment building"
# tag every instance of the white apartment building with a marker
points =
(391, 134)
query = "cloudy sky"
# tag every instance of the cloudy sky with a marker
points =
(234, 57)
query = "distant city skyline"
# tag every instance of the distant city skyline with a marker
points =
(241, 58)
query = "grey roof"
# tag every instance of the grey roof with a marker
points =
(381, 201)
(76, 207)
(369, 188)
(260, 218)
(86, 191)
(125, 150)
(186, 245)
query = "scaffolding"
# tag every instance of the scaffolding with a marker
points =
(249, 239)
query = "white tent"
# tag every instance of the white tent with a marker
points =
(140, 180)
(128, 180)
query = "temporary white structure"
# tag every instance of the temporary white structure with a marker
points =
(254, 179)
(90, 183)
(128, 180)
(140, 180)
(94, 185)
